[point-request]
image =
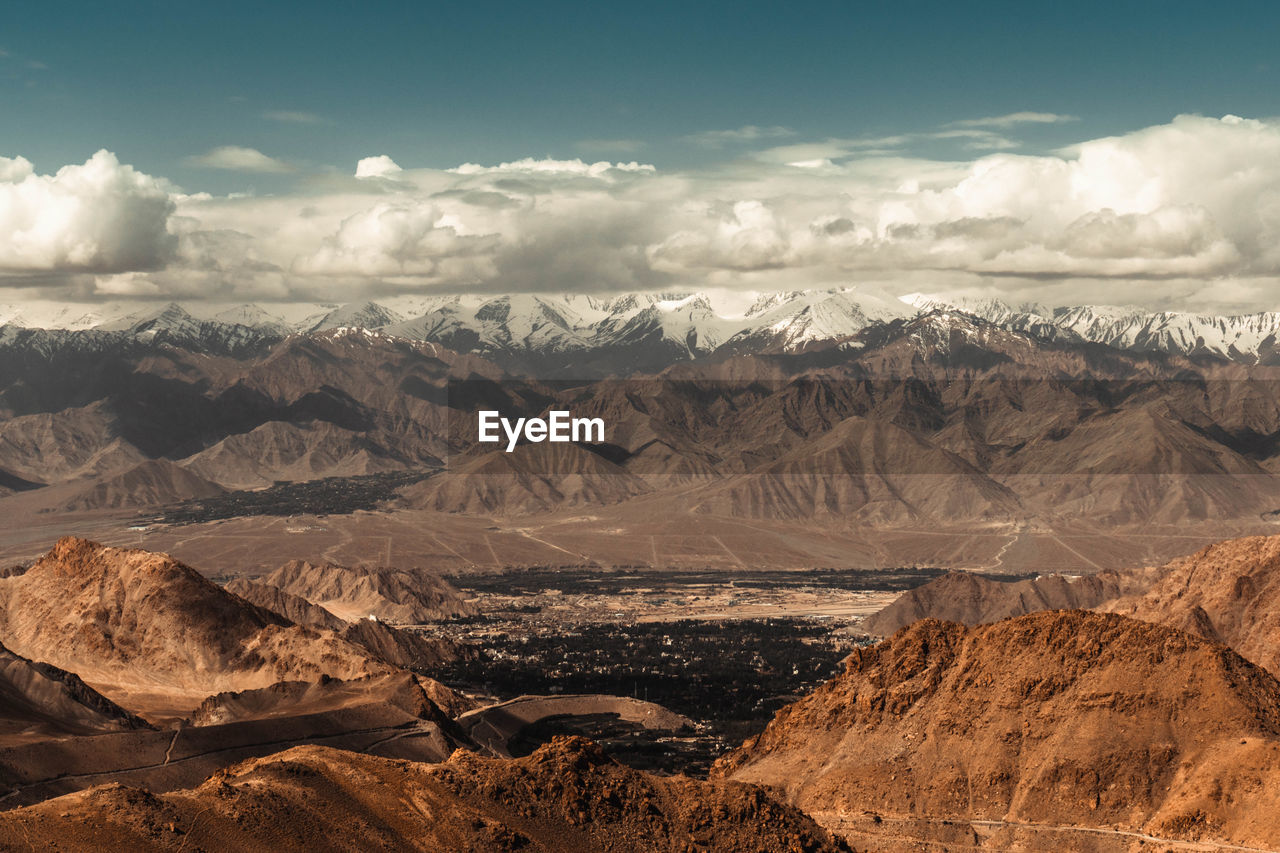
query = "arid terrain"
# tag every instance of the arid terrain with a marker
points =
(566, 797)
(1057, 727)
(640, 428)
(940, 583)
(937, 438)
(1066, 719)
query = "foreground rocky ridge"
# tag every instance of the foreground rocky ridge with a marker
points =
(133, 622)
(1228, 592)
(972, 599)
(567, 797)
(354, 593)
(1063, 718)
(1033, 733)
(39, 700)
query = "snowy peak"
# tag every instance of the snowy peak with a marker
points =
(684, 324)
(1243, 337)
(253, 316)
(363, 315)
(786, 322)
(169, 317)
(640, 331)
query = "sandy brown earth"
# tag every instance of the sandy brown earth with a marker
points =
(295, 608)
(293, 698)
(1061, 718)
(152, 633)
(38, 701)
(166, 760)
(974, 600)
(1229, 592)
(353, 593)
(567, 797)
(647, 531)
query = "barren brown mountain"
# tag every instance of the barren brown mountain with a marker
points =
(395, 646)
(567, 797)
(351, 593)
(944, 416)
(1229, 592)
(38, 700)
(141, 624)
(155, 482)
(869, 470)
(295, 608)
(401, 690)
(532, 478)
(78, 441)
(278, 451)
(1063, 718)
(401, 647)
(971, 599)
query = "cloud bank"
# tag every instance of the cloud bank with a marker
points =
(100, 217)
(1185, 214)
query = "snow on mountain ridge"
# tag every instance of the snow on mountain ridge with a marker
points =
(667, 325)
(369, 315)
(1246, 337)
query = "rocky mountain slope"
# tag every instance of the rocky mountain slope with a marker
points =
(532, 478)
(1228, 592)
(39, 700)
(354, 593)
(394, 646)
(972, 599)
(868, 470)
(295, 608)
(932, 418)
(140, 623)
(277, 450)
(284, 699)
(1063, 718)
(567, 797)
(156, 482)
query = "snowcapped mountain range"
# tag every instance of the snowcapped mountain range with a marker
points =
(638, 331)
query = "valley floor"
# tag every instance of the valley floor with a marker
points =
(645, 536)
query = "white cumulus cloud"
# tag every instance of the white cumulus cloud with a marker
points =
(1187, 210)
(377, 167)
(99, 217)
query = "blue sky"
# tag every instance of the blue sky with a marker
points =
(1050, 152)
(437, 84)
